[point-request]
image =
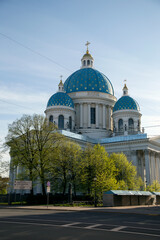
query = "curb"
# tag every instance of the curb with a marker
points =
(78, 210)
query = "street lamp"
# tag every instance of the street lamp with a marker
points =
(95, 194)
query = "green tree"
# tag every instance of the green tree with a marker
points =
(31, 140)
(154, 187)
(126, 174)
(64, 166)
(3, 185)
(98, 170)
(4, 168)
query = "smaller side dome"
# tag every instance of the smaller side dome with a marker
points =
(126, 103)
(60, 99)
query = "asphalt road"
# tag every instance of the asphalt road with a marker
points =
(20, 224)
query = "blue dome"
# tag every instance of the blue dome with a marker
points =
(125, 103)
(60, 99)
(88, 79)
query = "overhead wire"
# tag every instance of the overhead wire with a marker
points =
(47, 58)
(34, 51)
(1, 100)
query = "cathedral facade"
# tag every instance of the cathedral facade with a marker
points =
(85, 110)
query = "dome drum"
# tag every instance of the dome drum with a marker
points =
(64, 119)
(126, 122)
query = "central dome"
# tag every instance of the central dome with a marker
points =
(88, 79)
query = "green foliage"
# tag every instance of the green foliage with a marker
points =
(3, 185)
(31, 140)
(126, 174)
(97, 170)
(41, 152)
(65, 164)
(154, 187)
(4, 164)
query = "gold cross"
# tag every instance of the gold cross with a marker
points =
(87, 43)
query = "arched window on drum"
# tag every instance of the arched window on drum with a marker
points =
(70, 123)
(120, 125)
(61, 122)
(51, 118)
(130, 124)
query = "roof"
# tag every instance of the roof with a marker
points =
(88, 79)
(125, 192)
(60, 99)
(126, 103)
(156, 193)
(104, 140)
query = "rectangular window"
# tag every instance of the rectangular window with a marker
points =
(93, 115)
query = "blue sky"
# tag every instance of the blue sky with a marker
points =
(124, 36)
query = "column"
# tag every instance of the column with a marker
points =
(109, 117)
(89, 115)
(134, 158)
(156, 166)
(104, 114)
(97, 116)
(147, 165)
(81, 115)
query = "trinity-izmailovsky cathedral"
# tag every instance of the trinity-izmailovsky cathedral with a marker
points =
(86, 110)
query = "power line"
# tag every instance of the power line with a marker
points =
(1, 100)
(33, 51)
(152, 126)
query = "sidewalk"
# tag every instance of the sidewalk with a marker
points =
(146, 210)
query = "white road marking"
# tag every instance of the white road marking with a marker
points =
(95, 229)
(70, 224)
(93, 226)
(117, 228)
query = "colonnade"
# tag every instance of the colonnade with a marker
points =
(147, 163)
(102, 115)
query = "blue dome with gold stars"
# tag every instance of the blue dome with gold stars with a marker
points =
(60, 99)
(126, 103)
(88, 79)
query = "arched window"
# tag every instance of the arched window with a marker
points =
(51, 118)
(131, 124)
(120, 125)
(84, 63)
(93, 115)
(88, 62)
(138, 126)
(61, 122)
(70, 123)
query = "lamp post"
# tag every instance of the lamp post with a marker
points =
(95, 193)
